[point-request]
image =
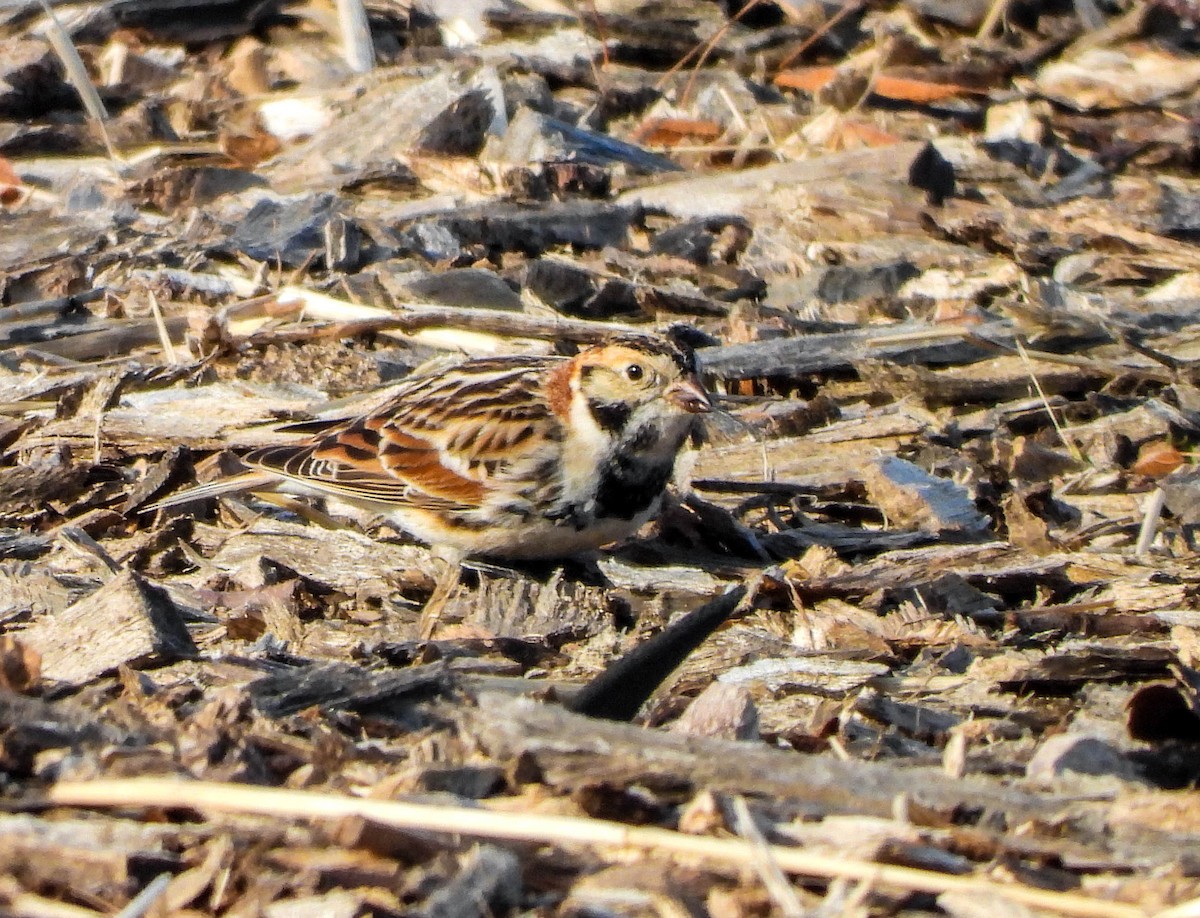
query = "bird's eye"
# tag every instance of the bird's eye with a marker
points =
(635, 371)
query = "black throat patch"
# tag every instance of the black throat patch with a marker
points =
(629, 485)
(611, 416)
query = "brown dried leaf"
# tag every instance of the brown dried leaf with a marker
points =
(919, 92)
(11, 187)
(20, 666)
(900, 89)
(1157, 459)
(670, 132)
(807, 79)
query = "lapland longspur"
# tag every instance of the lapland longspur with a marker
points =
(506, 457)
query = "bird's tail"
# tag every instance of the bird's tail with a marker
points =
(247, 481)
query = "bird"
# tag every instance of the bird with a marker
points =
(508, 458)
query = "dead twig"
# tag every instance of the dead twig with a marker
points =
(1071, 447)
(700, 54)
(78, 76)
(357, 48)
(847, 10)
(596, 834)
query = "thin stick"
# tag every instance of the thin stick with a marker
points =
(97, 437)
(1071, 447)
(713, 148)
(357, 48)
(447, 583)
(140, 904)
(602, 40)
(1149, 527)
(417, 318)
(817, 35)
(997, 11)
(78, 76)
(164, 336)
(216, 797)
(686, 95)
(777, 885)
(1106, 367)
(702, 49)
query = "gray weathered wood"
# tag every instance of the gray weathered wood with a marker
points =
(127, 621)
(572, 751)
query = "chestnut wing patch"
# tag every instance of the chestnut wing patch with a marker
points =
(345, 463)
(425, 449)
(468, 458)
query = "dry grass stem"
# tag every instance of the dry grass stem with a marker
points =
(214, 797)
(78, 76)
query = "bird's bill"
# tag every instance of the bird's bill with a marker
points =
(689, 395)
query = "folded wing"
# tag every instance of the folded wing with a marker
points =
(448, 443)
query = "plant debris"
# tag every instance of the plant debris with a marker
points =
(917, 632)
